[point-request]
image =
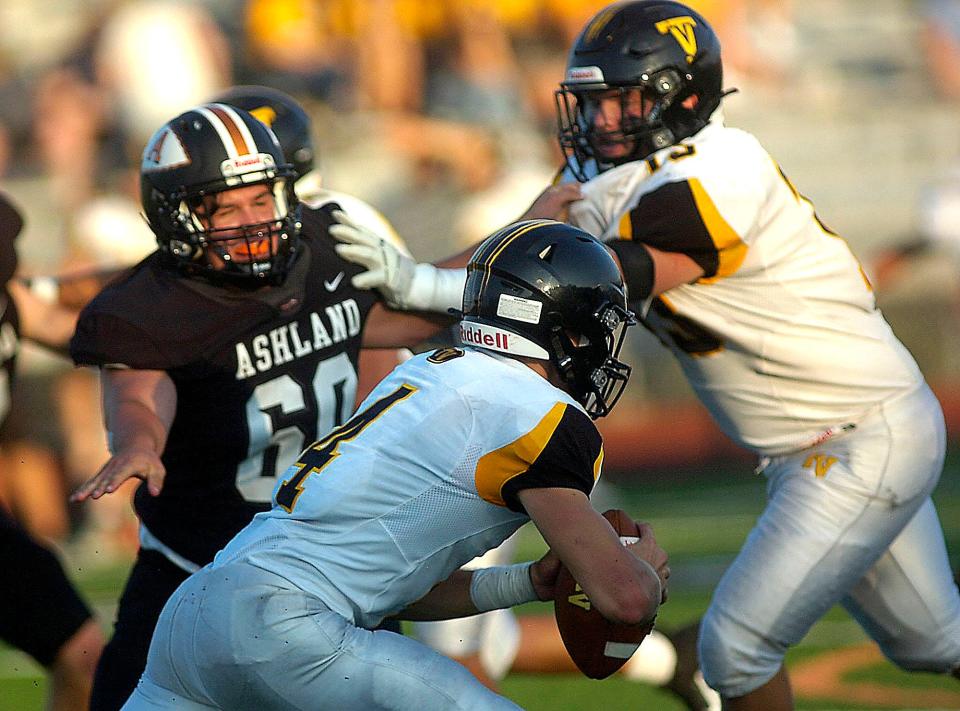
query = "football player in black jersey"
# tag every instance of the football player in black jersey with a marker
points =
(40, 611)
(293, 128)
(222, 355)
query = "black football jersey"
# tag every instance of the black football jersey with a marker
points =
(259, 376)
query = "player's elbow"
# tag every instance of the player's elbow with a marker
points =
(631, 604)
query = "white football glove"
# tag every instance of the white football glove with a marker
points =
(403, 282)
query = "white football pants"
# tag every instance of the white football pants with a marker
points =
(235, 638)
(849, 521)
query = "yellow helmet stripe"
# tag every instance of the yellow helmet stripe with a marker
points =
(486, 262)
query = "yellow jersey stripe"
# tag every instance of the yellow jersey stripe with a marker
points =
(731, 250)
(496, 468)
(625, 228)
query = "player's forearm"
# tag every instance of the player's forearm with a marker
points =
(469, 592)
(446, 600)
(139, 407)
(650, 271)
(388, 328)
(134, 425)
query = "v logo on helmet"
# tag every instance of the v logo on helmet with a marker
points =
(681, 28)
(265, 115)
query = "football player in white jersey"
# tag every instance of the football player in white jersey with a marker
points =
(775, 325)
(446, 458)
(496, 643)
(486, 644)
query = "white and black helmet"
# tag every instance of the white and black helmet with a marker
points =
(207, 150)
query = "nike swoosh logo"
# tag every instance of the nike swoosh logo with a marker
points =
(334, 283)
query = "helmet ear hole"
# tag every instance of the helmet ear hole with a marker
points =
(666, 83)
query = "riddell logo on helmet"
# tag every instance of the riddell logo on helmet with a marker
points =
(246, 164)
(475, 337)
(485, 335)
(584, 74)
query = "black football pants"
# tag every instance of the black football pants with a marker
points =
(152, 581)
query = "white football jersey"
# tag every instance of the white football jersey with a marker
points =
(939, 214)
(311, 192)
(421, 480)
(781, 338)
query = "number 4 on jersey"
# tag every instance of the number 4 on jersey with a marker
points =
(316, 457)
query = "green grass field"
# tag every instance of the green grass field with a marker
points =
(701, 523)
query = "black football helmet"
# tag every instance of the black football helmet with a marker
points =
(663, 49)
(534, 286)
(284, 115)
(204, 151)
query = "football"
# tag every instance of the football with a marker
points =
(597, 646)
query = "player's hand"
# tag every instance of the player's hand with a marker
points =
(647, 549)
(553, 203)
(543, 575)
(134, 463)
(389, 270)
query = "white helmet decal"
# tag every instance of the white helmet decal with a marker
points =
(584, 75)
(164, 152)
(484, 335)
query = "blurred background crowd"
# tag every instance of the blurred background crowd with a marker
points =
(441, 114)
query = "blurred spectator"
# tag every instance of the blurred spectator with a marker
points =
(940, 37)
(25, 57)
(389, 56)
(758, 38)
(522, 164)
(937, 233)
(146, 42)
(475, 75)
(298, 46)
(938, 213)
(69, 117)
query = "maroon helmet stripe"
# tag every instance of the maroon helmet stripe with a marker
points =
(238, 140)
